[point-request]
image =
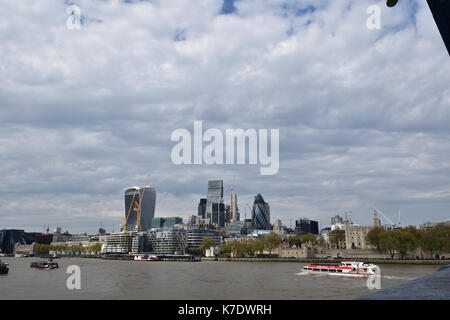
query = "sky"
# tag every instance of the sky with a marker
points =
(363, 114)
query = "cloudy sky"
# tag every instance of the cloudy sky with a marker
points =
(364, 115)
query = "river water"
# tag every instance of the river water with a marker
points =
(112, 279)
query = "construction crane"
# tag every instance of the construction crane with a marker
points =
(139, 206)
(392, 224)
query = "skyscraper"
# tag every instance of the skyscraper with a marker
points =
(147, 209)
(260, 214)
(202, 208)
(215, 208)
(218, 214)
(234, 208)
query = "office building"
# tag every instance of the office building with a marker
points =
(118, 243)
(337, 219)
(337, 222)
(194, 239)
(307, 226)
(166, 222)
(215, 208)
(157, 223)
(218, 214)
(167, 241)
(147, 207)
(260, 214)
(202, 208)
(235, 227)
(171, 221)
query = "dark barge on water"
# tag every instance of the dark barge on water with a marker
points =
(44, 265)
(3, 268)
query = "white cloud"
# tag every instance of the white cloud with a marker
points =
(363, 114)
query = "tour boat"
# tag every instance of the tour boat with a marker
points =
(145, 257)
(345, 268)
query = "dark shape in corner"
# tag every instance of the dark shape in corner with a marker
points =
(441, 14)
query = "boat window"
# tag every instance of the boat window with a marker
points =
(339, 270)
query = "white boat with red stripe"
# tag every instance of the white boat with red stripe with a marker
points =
(345, 268)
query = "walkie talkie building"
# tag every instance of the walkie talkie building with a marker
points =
(147, 210)
(260, 214)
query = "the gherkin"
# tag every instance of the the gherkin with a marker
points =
(260, 214)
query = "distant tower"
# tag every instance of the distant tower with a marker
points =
(234, 208)
(278, 227)
(376, 220)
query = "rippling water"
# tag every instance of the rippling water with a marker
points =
(106, 279)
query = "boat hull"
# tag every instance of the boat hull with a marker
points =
(347, 268)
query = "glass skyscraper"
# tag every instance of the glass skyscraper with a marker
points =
(202, 208)
(147, 210)
(260, 214)
(215, 208)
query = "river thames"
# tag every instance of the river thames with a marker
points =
(112, 279)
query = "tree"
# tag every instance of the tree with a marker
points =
(258, 245)
(373, 237)
(293, 240)
(207, 243)
(436, 239)
(404, 241)
(387, 242)
(272, 241)
(336, 236)
(320, 241)
(225, 248)
(309, 237)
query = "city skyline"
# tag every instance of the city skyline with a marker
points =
(86, 113)
(289, 223)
